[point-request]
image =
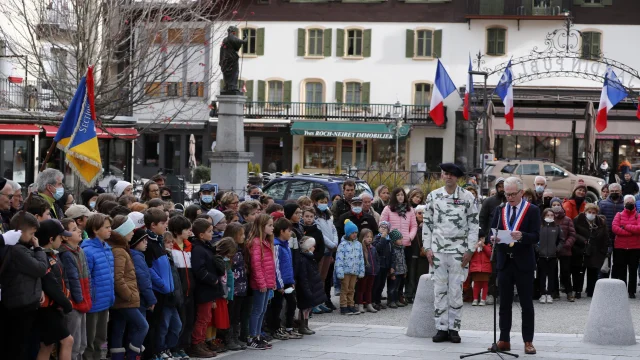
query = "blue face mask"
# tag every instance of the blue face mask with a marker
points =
(323, 207)
(58, 194)
(207, 199)
(92, 204)
(255, 197)
(356, 209)
(539, 189)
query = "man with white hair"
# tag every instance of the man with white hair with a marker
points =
(15, 202)
(540, 184)
(367, 208)
(50, 187)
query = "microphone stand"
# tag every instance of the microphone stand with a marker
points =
(494, 347)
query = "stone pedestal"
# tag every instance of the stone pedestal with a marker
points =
(609, 321)
(229, 160)
(422, 323)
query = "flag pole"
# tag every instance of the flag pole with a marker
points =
(46, 158)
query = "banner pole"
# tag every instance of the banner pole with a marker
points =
(46, 158)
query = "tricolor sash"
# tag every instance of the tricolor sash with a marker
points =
(506, 215)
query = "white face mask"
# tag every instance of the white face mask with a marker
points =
(556, 207)
(549, 220)
(591, 217)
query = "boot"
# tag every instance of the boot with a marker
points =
(201, 351)
(133, 353)
(236, 334)
(306, 325)
(570, 297)
(371, 309)
(302, 329)
(117, 353)
(230, 341)
(361, 308)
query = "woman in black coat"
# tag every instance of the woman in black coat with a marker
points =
(591, 230)
(309, 285)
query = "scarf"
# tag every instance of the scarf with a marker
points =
(402, 210)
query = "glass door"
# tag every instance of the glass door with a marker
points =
(14, 160)
(313, 98)
(346, 154)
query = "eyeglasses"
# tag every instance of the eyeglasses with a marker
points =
(513, 194)
(234, 203)
(8, 196)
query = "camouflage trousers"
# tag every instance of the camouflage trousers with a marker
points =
(448, 277)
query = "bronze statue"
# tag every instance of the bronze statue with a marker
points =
(229, 61)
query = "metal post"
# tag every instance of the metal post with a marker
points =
(485, 133)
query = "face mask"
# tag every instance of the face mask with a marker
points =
(556, 207)
(165, 198)
(629, 206)
(59, 193)
(92, 204)
(323, 207)
(547, 201)
(549, 220)
(255, 197)
(614, 196)
(207, 199)
(539, 189)
(591, 217)
(356, 209)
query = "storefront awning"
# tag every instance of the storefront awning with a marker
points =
(121, 133)
(19, 129)
(347, 130)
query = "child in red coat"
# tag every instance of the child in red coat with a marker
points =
(480, 270)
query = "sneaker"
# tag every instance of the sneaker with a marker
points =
(344, 311)
(176, 355)
(265, 342)
(324, 308)
(281, 334)
(454, 337)
(353, 311)
(482, 303)
(382, 306)
(256, 344)
(392, 305)
(330, 305)
(549, 299)
(490, 299)
(183, 354)
(543, 299)
(293, 334)
(441, 336)
(474, 303)
(400, 304)
(317, 310)
(266, 337)
(166, 355)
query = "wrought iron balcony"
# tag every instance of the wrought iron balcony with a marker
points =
(34, 95)
(518, 9)
(56, 20)
(300, 111)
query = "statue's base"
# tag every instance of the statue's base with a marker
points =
(231, 92)
(229, 170)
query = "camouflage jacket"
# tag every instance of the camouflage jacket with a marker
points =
(450, 222)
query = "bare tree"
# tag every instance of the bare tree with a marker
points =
(141, 51)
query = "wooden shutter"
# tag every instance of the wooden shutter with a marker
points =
(366, 89)
(586, 44)
(339, 92)
(302, 44)
(287, 91)
(340, 42)
(528, 7)
(410, 43)
(595, 45)
(249, 93)
(607, 2)
(260, 42)
(366, 43)
(437, 44)
(327, 42)
(180, 92)
(261, 91)
(200, 89)
(501, 41)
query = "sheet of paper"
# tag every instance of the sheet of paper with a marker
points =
(504, 237)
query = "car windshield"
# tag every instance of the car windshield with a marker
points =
(362, 187)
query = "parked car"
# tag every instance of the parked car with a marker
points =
(288, 187)
(559, 180)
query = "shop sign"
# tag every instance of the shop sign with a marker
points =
(347, 134)
(553, 65)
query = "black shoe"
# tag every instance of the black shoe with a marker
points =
(578, 295)
(632, 296)
(330, 305)
(441, 336)
(454, 337)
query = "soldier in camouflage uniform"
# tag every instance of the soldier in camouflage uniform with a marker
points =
(450, 234)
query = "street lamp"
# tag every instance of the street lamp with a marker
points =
(396, 129)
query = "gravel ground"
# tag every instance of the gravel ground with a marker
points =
(560, 317)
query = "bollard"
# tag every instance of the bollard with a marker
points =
(422, 323)
(609, 321)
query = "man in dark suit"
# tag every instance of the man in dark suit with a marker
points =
(516, 261)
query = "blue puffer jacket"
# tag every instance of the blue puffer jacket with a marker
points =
(100, 263)
(143, 276)
(609, 209)
(284, 263)
(349, 259)
(158, 263)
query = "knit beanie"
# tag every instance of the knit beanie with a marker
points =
(349, 228)
(395, 235)
(118, 189)
(138, 235)
(384, 224)
(556, 199)
(137, 218)
(580, 184)
(290, 209)
(276, 215)
(307, 243)
(216, 216)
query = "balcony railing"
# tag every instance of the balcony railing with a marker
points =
(413, 114)
(518, 8)
(16, 94)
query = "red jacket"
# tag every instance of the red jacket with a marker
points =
(570, 208)
(626, 226)
(481, 261)
(263, 269)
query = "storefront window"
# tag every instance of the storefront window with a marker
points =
(605, 152)
(564, 151)
(151, 150)
(172, 152)
(508, 146)
(544, 147)
(14, 160)
(525, 147)
(118, 157)
(346, 154)
(361, 153)
(320, 152)
(383, 155)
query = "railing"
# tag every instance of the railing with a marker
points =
(61, 17)
(413, 114)
(35, 95)
(518, 7)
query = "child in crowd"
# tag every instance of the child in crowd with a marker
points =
(101, 268)
(173, 301)
(79, 214)
(137, 247)
(219, 223)
(77, 270)
(310, 291)
(226, 248)
(382, 243)
(551, 241)
(231, 216)
(24, 265)
(180, 228)
(397, 270)
(480, 271)
(208, 287)
(261, 278)
(125, 312)
(364, 286)
(50, 319)
(349, 267)
(285, 283)
(240, 300)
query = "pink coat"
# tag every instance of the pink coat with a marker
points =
(407, 226)
(263, 269)
(629, 236)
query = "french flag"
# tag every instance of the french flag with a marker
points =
(612, 93)
(443, 87)
(467, 93)
(505, 92)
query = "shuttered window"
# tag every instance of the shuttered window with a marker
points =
(496, 41)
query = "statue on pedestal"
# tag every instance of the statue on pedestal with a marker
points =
(229, 62)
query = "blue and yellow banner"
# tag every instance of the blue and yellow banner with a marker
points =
(76, 135)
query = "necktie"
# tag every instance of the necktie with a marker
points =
(512, 220)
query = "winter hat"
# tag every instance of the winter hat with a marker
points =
(118, 189)
(276, 215)
(555, 199)
(216, 216)
(307, 243)
(290, 209)
(137, 218)
(395, 235)
(349, 228)
(385, 224)
(580, 184)
(127, 227)
(138, 235)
